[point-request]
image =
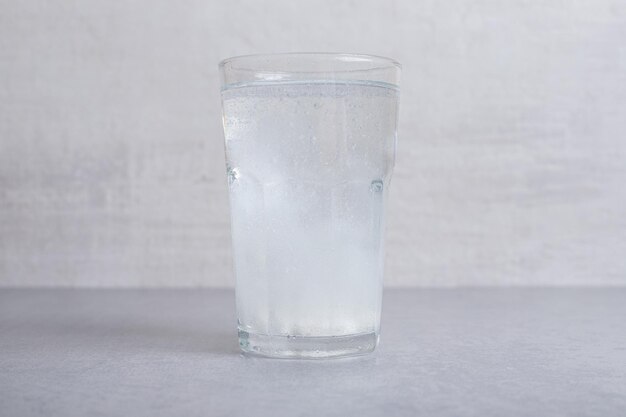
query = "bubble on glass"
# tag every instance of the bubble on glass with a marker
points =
(376, 186)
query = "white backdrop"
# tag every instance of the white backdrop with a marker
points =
(511, 165)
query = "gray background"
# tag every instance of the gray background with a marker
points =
(511, 165)
(464, 352)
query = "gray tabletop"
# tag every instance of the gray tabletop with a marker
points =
(462, 352)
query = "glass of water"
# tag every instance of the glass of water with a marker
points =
(310, 147)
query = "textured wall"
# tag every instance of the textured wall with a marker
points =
(512, 154)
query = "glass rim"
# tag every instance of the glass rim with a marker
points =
(377, 62)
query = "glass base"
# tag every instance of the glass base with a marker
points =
(299, 347)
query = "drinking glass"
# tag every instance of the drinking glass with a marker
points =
(310, 143)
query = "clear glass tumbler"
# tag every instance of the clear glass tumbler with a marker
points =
(310, 147)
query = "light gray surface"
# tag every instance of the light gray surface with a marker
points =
(511, 153)
(464, 352)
